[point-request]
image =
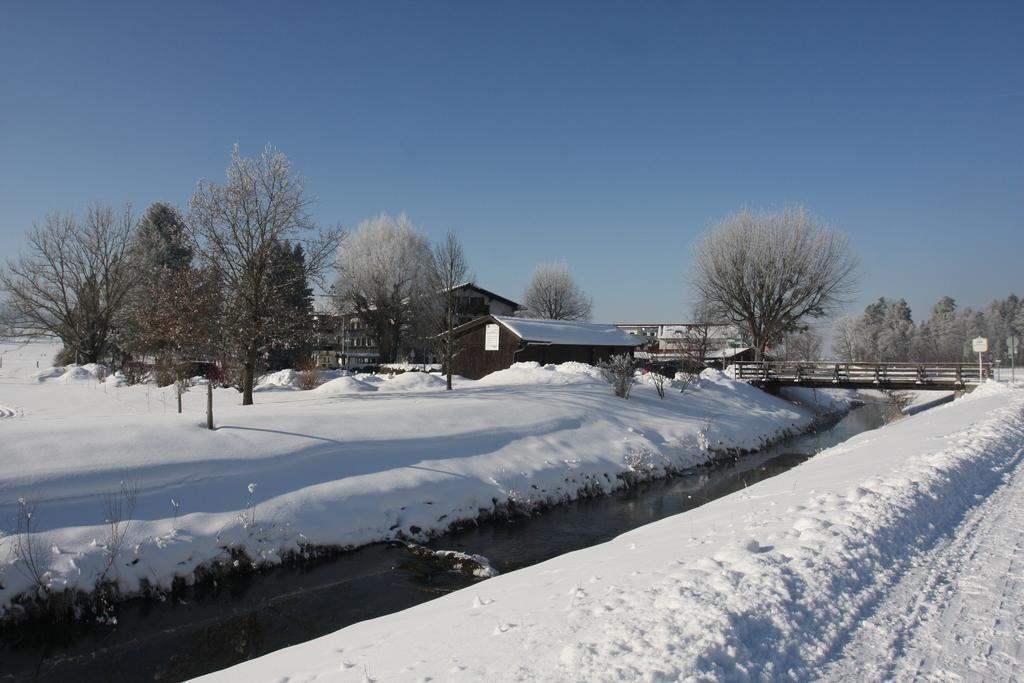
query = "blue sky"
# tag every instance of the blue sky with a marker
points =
(608, 135)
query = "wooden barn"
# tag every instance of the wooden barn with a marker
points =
(495, 342)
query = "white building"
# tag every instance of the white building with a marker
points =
(667, 340)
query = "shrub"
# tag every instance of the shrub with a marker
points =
(659, 381)
(618, 371)
(309, 376)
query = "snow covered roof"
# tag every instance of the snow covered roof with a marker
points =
(568, 332)
(487, 292)
(727, 353)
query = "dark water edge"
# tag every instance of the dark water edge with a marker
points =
(219, 623)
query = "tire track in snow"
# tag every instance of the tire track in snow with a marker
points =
(8, 412)
(955, 615)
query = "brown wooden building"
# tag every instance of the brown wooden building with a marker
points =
(495, 342)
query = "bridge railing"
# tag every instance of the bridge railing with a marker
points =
(865, 374)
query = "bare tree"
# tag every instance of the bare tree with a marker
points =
(235, 228)
(769, 273)
(73, 280)
(450, 269)
(804, 345)
(692, 343)
(844, 338)
(384, 278)
(553, 294)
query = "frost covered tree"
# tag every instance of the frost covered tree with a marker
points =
(161, 240)
(554, 295)
(769, 273)
(869, 330)
(384, 278)
(449, 270)
(946, 330)
(236, 229)
(896, 337)
(161, 260)
(884, 332)
(72, 281)
(844, 338)
(803, 345)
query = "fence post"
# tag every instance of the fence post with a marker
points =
(209, 403)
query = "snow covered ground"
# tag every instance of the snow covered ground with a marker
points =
(894, 555)
(358, 459)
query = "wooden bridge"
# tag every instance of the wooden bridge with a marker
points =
(774, 374)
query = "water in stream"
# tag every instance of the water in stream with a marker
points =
(247, 616)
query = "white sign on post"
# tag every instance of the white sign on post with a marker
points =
(491, 337)
(980, 346)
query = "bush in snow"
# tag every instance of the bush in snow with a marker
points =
(32, 553)
(618, 371)
(683, 381)
(118, 508)
(658, 381)
(249, 517)
(309, 377)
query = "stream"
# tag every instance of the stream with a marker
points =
(211, 627)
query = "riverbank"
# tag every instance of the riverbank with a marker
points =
(212, 625)
(777, 580)
(355, 461)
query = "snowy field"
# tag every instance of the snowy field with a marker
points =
(896, 555)
(358, 459)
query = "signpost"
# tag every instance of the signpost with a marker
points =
(980, 345)
(1012, 346)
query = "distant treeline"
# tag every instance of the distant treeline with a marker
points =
(886, 331)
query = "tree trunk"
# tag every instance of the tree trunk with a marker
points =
(448, 359)
(179, 401)
(448, 341)
(248, 374)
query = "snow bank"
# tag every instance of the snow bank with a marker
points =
(411, 367)
(764, 584)
(343, 385)
(401, 462)
(90, 372)
(534, 373)
(414, 381)
(282, 379)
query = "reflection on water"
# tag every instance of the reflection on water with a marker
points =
(215, 626)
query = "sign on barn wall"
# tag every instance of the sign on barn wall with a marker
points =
(491, 337)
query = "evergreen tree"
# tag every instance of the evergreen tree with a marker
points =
(894, 341)
(946, 331)
(161, 241)
(154, 317)
(291, 308)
